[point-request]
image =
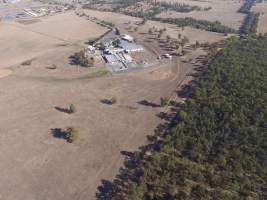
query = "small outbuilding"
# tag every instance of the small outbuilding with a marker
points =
(127, 38)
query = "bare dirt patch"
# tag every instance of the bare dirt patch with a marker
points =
(5, 72)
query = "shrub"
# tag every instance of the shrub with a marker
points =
(91, 41)
(164, 101)
(71, 134)
(117, 31)
(52, 67)
(113, 100)
(27, 62)
(81, 59)
(72, 108)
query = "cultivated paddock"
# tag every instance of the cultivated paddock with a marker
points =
(20, 42)
(128, 24)
(262, 9)
(223, 11)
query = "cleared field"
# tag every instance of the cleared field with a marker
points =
(222, 11)
(262, 9)
(20, 42)
(128, 23)
(192, 33)
(37, 165)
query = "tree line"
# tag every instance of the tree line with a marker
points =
(245, 8)
(199, 24)
(250, 24)
(216, 143)
(178, 7)
(157, 7)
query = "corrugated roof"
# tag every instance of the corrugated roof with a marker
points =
(111, 58)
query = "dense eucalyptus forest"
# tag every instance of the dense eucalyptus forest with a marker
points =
(216, 147)
(215, 144)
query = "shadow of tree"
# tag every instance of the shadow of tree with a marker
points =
(106, 101)
(73, 60)
(187, 90)
(106, 190)
(133, 161)
(147, 103)
(58, 133)
(64, 110)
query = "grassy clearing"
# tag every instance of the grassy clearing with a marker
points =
(93, 75)
(89, 76)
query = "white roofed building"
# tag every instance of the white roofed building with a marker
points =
(127, 38)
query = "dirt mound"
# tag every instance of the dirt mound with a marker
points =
(5, 72)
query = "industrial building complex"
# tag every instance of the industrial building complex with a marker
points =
(117, 52)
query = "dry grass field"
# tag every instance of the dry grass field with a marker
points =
(262, 9)
(127, 24)
(21, 42)
(224, 11)
(37, 165)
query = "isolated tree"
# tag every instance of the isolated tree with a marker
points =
(113, 100)
(117, 31)
(72, 109)
(71, 134)
(81, 59)
(164, 101)
(197, 44)
(185, 39)
(91, 61)
(168, 38)
(91, 41)
(177, 49)
(144, 20)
